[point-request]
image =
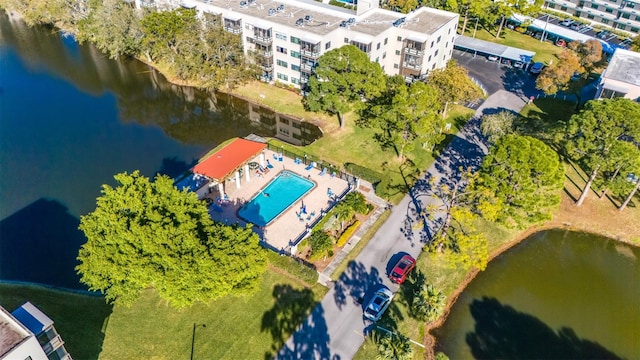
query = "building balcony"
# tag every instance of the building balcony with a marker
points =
(263, 40)
(52, 345)
(310, 53)
(415, 52)
(233, 29)
(413, 66)
(306, 67)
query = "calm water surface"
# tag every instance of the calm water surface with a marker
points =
(70, 118)
(558, 294)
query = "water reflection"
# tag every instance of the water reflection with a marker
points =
(143, 95)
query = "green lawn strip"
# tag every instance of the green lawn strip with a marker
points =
(360, 245)
(545, 51)
(291, 266)
(150, 329)
(79, 319)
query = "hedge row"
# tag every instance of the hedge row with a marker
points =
(346, 235)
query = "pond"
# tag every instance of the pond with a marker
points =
(558, 294)
(70, 119)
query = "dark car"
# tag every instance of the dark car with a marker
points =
(378, 304)
(402, 268)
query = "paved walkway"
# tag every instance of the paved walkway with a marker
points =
(336, 329)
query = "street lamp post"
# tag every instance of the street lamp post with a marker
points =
(193, 337)
(475, 28)
(545, 29)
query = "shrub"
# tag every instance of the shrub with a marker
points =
(321, 244)
(362, 172)
(346, 235)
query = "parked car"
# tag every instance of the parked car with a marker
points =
(506, 62)
(536, 68)
(518, 64)
(576, 26)
(402, 268)
(492, 58)
(378, 304)
(566, 22)
(603, 34)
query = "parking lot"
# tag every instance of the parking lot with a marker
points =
(583, 28)
(495, 76)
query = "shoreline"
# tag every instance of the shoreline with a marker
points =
(430, 340)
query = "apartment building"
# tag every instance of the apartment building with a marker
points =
(618, 14)
(287, 37)
(27, 333)
(621, 78)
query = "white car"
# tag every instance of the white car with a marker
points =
(566, 22)
(378, 304)
(492, 58)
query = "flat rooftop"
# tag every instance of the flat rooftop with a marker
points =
(624, 66)
(11, 333)
(324, 18)
(490, 48)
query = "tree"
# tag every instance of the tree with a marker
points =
(591, 134)
(557, 77)
(589, 54)
(356, 201)
(623, 159)
(453, 85)
(635, 44)
(113, 27)
(524, 178)
(321, 244)
(343, 212)
(404, 115)
(473, 8)
(343, 77)
(496, 126)
(507, 8)
(394, 347)
(166, 32)
(148, 234)
(428, 303)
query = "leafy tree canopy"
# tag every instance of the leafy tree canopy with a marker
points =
(495, 126)
(525, 177)
(453, 84)
(149, 234)
(404, 115)
(343, 77)
(589, 53)
(556, 77)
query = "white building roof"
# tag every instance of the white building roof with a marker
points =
(490, 48)
(624, 66)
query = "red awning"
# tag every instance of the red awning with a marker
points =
(225, 161)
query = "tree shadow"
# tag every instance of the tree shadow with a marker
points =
(311, 341)
(413, 284)
(501, 332)
(39, 243)
(519, 82)
(291, 307)
(354, 283)
(173, 167)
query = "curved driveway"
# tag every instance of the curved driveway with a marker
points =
(335, 329)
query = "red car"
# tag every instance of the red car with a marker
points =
(402, 269)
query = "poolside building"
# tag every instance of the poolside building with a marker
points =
(286, 37)
(27, 333)
(621, 78)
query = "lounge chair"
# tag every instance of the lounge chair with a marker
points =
(310, 166)
(324, 171)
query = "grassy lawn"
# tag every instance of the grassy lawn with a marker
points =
(545, 51)
(235, 327)
(80, 319)
(361, 149)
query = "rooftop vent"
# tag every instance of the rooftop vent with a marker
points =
(308, 18)
(351, 21)
(243, 3)
(343, 24)
(280, 8)
(300, 22)
(271, 11)
(399, 21)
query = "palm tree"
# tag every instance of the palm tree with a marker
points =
(428, 303)
(343, 212)
(356, 201)
(392, 347)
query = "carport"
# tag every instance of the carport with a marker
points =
(485, 48)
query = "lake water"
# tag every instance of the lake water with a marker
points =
(558, 294)
(70, 119)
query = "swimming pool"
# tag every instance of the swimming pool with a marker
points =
(275, 198)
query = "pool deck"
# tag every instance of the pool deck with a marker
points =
(282, 231)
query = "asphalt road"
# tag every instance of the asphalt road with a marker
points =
(336, 328)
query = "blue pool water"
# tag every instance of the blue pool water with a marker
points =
(275, 198)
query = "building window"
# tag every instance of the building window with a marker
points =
(637, 17)
(295, 67)
(432, 44)
(446, 45)
(378, 46)
(609, 10)
(622, 26)
(563, 8)
(283, 77)
(626, 15)
(399, 38)
(436, 53)
(439, 38)
(429, 59)
(604, 21)
(284, 131)
(386, 40)
(397, 52)
(327, 45)
(295, 40)
(449, 31)
(594, 6)
(282, 63)
(395, 66)
(281, 36)
(552, 6)
(297, 82)
(284, 120)
(631, 4)
(433, 66)
(281, 50)
(635, 29)
(295, 54)
(591, 17)
(346, 40)
(384, 55)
